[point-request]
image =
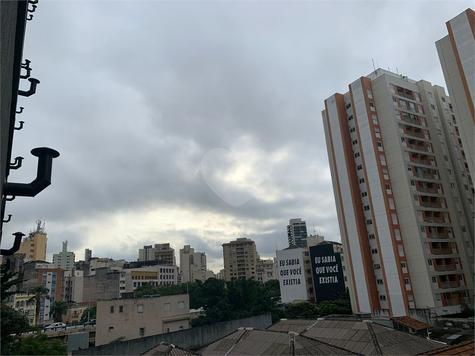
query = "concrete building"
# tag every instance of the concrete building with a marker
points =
(403, 229)
(297, 232)
(147, 253)
(161, 252)
(34, 246)
(192, 265)
(42, 273)
(240, 259)
(155, 276)
(141, 317)
(457, 58)
(105, 283)
(265, 270)
(87, 255)
(165, 254)
(64, 259)
(22, 303)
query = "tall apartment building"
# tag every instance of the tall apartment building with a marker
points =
(87, 255)
(403, 227)
(161, 252)
(297, 232)
(240, 258)
(34, 246)
(64, 259)
(42, 273)
(457, 58)
(192, 265)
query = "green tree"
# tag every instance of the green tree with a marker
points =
(39, 292)
(8, 282)
(342, 305)
(40, 345)
(303, 310)
(13, 324)
(58, 309)
(92, 314)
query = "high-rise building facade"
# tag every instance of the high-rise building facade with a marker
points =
(457, 58)
(297, 232)
(34, 246)
(192, 265)
(240, 258)
(403, 226)
(161, 252)
(87, 255)
(64, 259)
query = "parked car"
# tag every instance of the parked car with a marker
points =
(55, 326)
(92, 322)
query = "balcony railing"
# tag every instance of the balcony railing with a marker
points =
(444, 285)
(454, 284)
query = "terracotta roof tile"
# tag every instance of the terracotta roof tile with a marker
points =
(464, 348)
(411, 323)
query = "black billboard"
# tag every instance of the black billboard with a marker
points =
(327, 272)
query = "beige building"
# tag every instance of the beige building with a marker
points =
(34, 246)
(28, 308)
(404, 230)
(192, 265)
(240, 259)
(265, 270)
(457, 58)
(139, 317)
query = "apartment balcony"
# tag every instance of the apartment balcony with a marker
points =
(414, 134)
(441, 251)
(444, 268)
(428, 190)
(454, 284)
(426, 204)
(434, 220)
(437, 236)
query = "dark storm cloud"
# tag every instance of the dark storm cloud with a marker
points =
(134, 94)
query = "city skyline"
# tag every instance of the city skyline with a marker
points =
(134, 101)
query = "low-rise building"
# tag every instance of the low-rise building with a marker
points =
(22, 303)
(127, 319)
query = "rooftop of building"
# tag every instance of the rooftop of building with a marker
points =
(359, 336)
(165, 348)
(246, 341)
(464, 348)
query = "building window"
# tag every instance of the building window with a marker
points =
(112, 309)
(366, 207)
(166, 306)
(140, 308)
(369, 222)
(379, 281)
(406, 280)
(121, 308)
(359, 167)
(353, 129)
(181, 305)
(434, 280)
(374, 251)
(355, 142)
(364, 194)
(142, 331)
(371, 236)
(350, 117)
(357, 154)
(429, 262)
(361, 180)
(382, 298)
(377, 266)
(348, 106)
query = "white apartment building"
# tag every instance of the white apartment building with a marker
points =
(64, 259)
(192, 265)
(457, 58)
(404, 230)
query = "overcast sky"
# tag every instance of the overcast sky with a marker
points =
(194, 122)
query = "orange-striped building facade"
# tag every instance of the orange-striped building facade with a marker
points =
(403, 215)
